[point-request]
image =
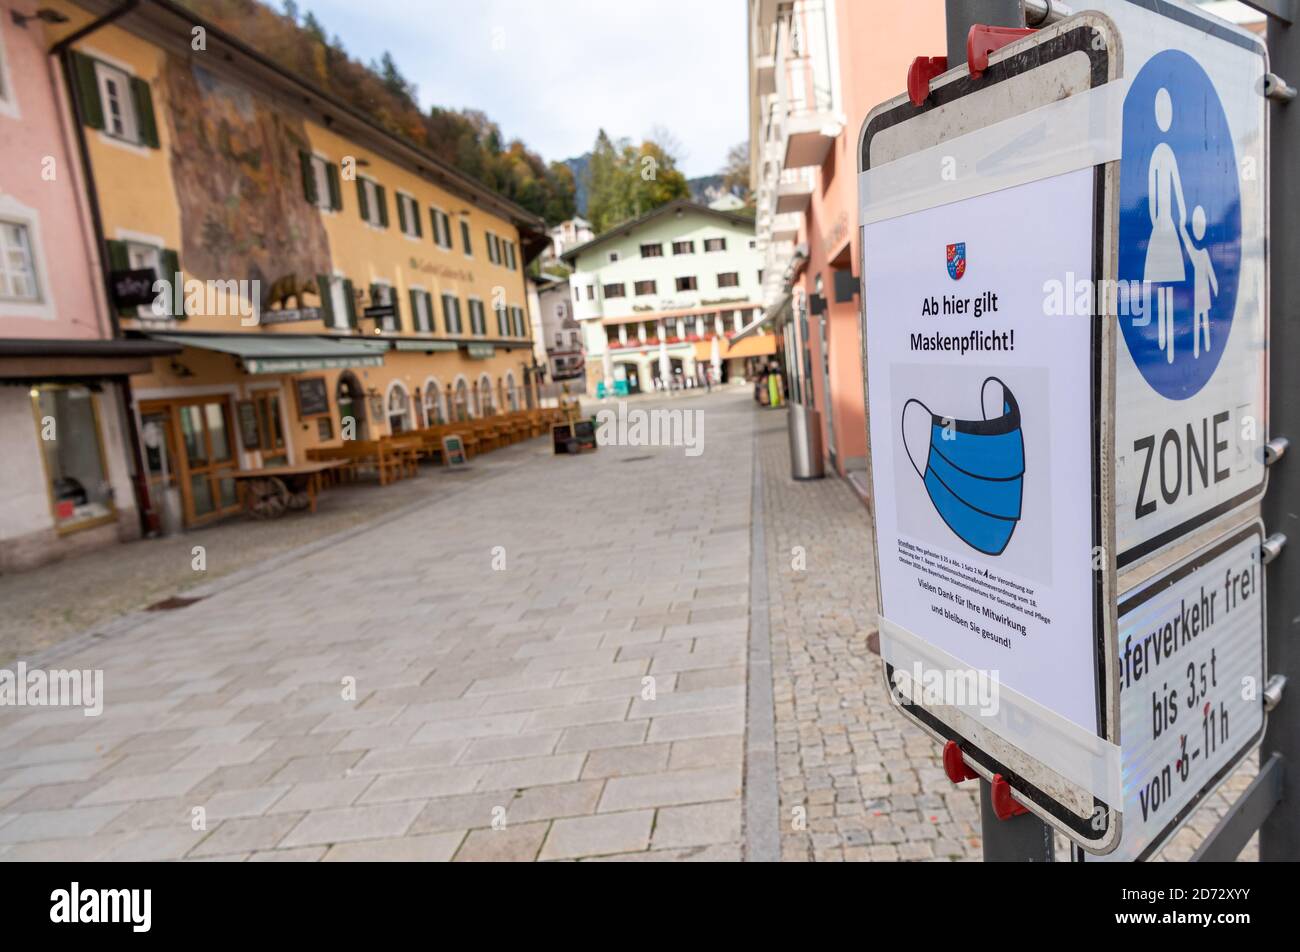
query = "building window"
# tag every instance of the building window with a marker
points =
(422, 310)
(655, 250)
(729, 279)
(67, 422)
(460, 401)
(683, 247)
(320, 182)
(399, 409)
(485, 407)
(441, 228)
(340, 306)
(687, 284)
(591, 292)
(17, 264)
(753, 243)
(715, 244)
(615, 290)
(434, 412)
(115, 99)
(381, 295)
(503, 320)
(408, 216)
(643, 287)
(613, 257)
(493, 248)
(521, 329)
(464, 239)
(373, 202)
(477, 318)
(451, 314)
(760, 275)
(511, 261)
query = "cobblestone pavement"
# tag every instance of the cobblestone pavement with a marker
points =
(481, 661)
(547, 661)
(45, 606)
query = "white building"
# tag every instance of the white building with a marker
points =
(660, 297)
(567, 234)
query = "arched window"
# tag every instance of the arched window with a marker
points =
(512, 392)
(351, 400)
(461, 410)
(485, 396)
(399, 408)
(434, 411)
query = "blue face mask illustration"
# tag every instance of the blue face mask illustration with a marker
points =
(973, 470)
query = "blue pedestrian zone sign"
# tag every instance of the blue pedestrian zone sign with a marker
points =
(1179, 225)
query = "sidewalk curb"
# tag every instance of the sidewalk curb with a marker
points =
(762, 798)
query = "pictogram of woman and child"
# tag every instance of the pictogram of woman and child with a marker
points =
(1165, 268)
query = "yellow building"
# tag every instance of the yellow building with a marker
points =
(325, 278)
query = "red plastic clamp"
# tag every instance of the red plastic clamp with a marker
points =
(954, 765)
(919, 74)
(983, 40)
(1004, 805)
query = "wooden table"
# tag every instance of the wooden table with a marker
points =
(268, 492)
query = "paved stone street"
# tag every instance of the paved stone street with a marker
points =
(539, 658)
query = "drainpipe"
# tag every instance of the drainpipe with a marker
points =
(63, 51)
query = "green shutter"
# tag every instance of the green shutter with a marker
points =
(171, 267)
(415, 310)
(428, 307)
(144, 117)
(336, 194)
(401, 213)
(308, 178)
(326, 299)
(381, 196)
(87, 87)
(361, 200)
(397, 309)
(415, 210)
(350, 297)
(120, 260)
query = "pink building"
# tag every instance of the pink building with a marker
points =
(817, 67)
(66, 460)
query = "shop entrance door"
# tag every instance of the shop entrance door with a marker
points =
(200, 455)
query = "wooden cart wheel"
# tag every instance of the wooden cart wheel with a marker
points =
(268, 497)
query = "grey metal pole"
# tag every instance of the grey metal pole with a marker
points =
(1022, 839)
(963, 14)
(1279, 837)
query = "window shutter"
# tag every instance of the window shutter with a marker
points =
(83, 78)
(433, 225)
(381, 196)
(350, 298)
(171, 266)
(308, 178)
(428, 309)
(415, 213)
(336, 193)
(401, 212)
(120, 260)
(415, 310)
(362, 204)
(326, 299)
(144, 117)
(397, 309)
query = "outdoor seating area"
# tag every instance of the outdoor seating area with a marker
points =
(398, 456)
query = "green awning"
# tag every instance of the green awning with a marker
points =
(480, 351)
(424, 346)
(286, 353)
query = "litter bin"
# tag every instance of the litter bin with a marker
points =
(805, 425)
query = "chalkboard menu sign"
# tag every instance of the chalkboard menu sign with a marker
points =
(453, 450)
(249, 433)
(132, 288)
(313, 397)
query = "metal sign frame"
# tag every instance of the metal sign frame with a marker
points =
(1153, 588)
(1041, 790)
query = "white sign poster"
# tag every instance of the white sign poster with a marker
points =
(982, 436)
(1191, 355)
(1191, 661)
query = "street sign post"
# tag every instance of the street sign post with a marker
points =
(1191, 656)
(1095, 332)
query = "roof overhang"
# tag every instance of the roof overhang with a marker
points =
(61, 358)
(286, 353)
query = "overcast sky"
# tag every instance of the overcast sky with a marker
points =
(552, 72)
